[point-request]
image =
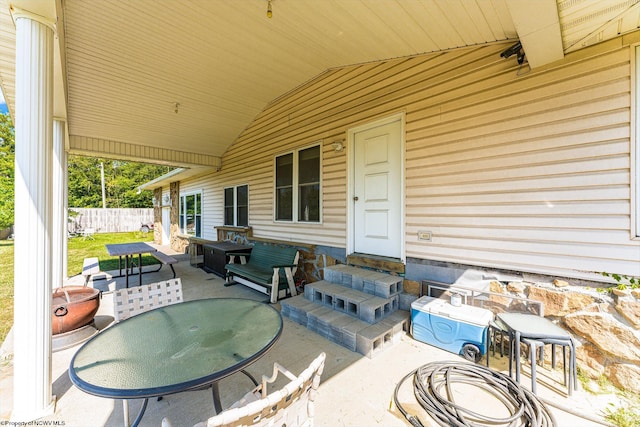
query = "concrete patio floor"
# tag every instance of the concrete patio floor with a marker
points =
(354, 391)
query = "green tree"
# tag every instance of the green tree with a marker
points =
(7, 165)
(121, 182)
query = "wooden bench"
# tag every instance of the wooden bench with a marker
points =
(165, 260)
(270, 269)
(90, 266)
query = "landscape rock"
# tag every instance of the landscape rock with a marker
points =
(516, 287)
(560, 283)
(559, 303)
(624, 376)
(606, 333)
(590, 360)
(630, 310)
(621, 292)
(495, 286)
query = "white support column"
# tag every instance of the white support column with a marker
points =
(59, 231)
(32, 377)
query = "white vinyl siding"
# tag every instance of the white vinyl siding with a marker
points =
(528, 172)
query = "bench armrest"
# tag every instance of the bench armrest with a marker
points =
(284, 266)
(239, 253)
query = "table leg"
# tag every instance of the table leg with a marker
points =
(516, 343)
(512, 352)
(126, 270)
(125, 412)
(489, 340)
(215, 390)
(140, 414)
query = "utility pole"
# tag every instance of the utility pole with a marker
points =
(104, 199)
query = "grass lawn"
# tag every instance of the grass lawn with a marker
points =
(78, 250)
(6, 287)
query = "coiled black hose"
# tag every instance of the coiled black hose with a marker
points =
(433, 390)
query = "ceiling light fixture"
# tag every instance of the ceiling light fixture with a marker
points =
(269, 10)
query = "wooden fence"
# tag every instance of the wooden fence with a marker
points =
(108, 220)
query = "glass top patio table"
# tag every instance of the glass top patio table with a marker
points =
(175, 348)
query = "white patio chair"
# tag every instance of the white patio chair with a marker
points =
(88, 234)
(131, 301)
(292, 405)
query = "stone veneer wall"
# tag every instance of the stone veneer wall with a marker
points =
(176, 243)
(157, 217)
(606, 325)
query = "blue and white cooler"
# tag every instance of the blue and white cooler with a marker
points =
(460, 329)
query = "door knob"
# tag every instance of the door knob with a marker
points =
(355, 198)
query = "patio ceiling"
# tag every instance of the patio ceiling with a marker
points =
(189, 76)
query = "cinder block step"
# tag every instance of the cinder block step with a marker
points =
(334, 325)
(372, 282)
(297, 309)
(384, 285)
(341, 333)
(340, 274)
(399, 322)
(371, 340)
(322, 292)
(362, 305)
(350, 333)
(375, 308)
(318, 320)
(329, 315)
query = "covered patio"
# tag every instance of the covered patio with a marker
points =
(354, 391)
(184, 84)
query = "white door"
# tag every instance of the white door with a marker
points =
(166, 225)
(377, 192)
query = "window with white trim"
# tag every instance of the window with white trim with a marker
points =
(191, 213)
(236, 206)
(297, 186)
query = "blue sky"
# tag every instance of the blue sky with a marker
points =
(3, 104)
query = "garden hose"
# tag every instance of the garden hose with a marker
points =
(433, 390)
